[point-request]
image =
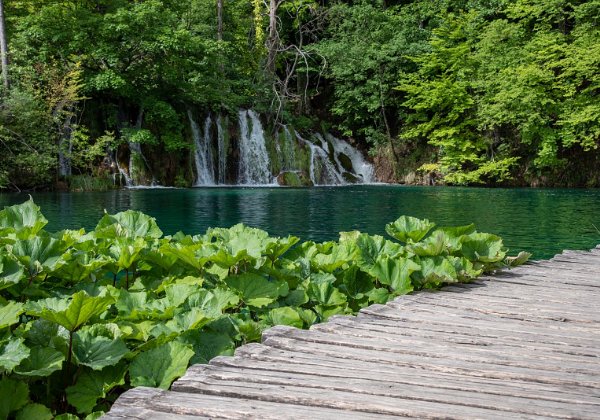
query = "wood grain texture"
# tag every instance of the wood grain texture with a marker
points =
(524, 343)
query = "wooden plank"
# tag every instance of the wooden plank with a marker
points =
(199, 375)
(145, 403)
(525, 362)
(274, 360)
(466, 335)
(343, 400)
(435, 363)
(313, 386)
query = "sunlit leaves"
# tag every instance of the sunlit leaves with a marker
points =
(24, 220)
(97, 352)
(70, 313)
(38, 254)
(128, 224)
(9, 313)
(483, 247)
(395, 273)
(409, 229)
(255, 290)
(160, 366)
(11, 272)
(12, 352)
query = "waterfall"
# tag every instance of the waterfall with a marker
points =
(124, 174)
(360, 166)
(254, 160)
(64, 153)
(222, 151)
(203, 152)
(322, 170)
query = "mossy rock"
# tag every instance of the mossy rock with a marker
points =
(293, 179)
(351, 178)
(346, 162)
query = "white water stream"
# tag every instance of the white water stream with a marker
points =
(254, 159)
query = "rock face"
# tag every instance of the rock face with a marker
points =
(294, 179)
(244, 151)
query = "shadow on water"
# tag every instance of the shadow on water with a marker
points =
(543, 221)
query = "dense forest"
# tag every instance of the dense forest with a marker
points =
(466, 92)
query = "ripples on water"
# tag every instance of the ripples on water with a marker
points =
(543, 221)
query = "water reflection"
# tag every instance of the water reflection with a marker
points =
(542, 221)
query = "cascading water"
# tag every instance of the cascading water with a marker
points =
(322, 170)
(124, 174)
(203, 153)
(221, 149)
(360, 166)
(254, 159)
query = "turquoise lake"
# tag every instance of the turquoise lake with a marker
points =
(541, 221)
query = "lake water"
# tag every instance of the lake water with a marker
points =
(542, 221)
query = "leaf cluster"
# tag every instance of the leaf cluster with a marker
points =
(86, 315)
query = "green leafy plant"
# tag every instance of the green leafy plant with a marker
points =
(85, 316)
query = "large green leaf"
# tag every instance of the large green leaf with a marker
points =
(11, 272)
(255, 290)
(42, 361)
(195, 318)
(326, 294)
(177, 294)
(207, 345)
(240, 239)
(438, 243)
(14, 394)
(25, 219)
(9, 313)
(126, 251)
(45, 333)
(39, 254)
(92, 385)
(12, 352)
(195, 255)
(130, 224)
(280, 246)
(409, 229)
(138, 306)
(70, 313)
(286, 316)
(160, 366)
(395, 272)
(436, 270)
(483, 247)
(80, 265)
(97, 352)
(34, 411)
(339, 255)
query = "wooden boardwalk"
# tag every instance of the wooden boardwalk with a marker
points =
(521, 344)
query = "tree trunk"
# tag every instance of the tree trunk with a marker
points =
(219, 20)
(273, 38)
(3, 47)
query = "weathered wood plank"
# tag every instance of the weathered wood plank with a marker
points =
(465, 335)
(441, 362)
(199, 375)
(274, 360)
(145, 403)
